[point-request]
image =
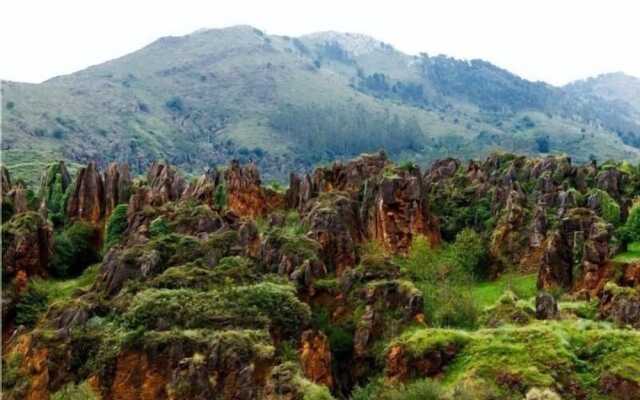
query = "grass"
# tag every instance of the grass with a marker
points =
(488, 293)
(510, 360)
(63, 289)
(631, 255)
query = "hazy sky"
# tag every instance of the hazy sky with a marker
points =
(555, 41)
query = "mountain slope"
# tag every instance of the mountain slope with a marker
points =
(289, 103)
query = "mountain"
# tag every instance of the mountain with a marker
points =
(290, 103)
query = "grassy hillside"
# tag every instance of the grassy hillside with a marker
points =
(211, 96)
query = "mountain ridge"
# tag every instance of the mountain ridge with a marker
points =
(290, 103)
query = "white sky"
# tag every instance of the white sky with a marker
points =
(551, 40)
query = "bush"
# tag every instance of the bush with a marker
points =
(630, 231)
(159, 227)
(32, 304)
(220, 197)
(608, 207)
(175, 104)
(74, 249)
(116, 225)
(423, 389)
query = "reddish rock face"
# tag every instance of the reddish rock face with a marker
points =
(245, 197)
(582, 238)
(395, 211)
(315, 358)
(117, 186)
(87, 200)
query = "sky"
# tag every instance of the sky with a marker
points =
(554, 41)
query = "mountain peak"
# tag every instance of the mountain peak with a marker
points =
(354, 43)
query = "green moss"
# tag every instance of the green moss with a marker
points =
(72, 391)
(508, 361)
(32, 305)
(254, 306)
(196, 275)
(14, 381)
(508, 310)
(159, 227)
(609, 208)
(418, 342)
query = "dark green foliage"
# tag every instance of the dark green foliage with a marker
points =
(175, 104)
(32, 304)
(75, 248)
(116, 225)
(542, 143)
(159, 227)
(220, 197)
(7, 210)
(608, 207)
(54, 190)
(335, 131)
(340, 335)
(630, 231)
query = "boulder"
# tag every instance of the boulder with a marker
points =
(546, 306)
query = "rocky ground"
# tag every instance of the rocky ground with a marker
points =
(509, 278)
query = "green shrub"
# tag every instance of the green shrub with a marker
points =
(32, 305)
(72, 391)
(159, 227)
(116, 225)
(74, 249)
(423, 389)
(630, 231)
(609, 208)
(220, 197)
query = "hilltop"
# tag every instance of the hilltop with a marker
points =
(291, 103)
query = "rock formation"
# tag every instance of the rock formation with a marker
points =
(245, 196)
(27, 245)
(395, 210)
(315, 358)
(117, 186)
(576, 252)
(87, 199)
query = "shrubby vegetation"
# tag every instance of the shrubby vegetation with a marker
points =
(116, 225)
(444, 275)
(75, 249)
